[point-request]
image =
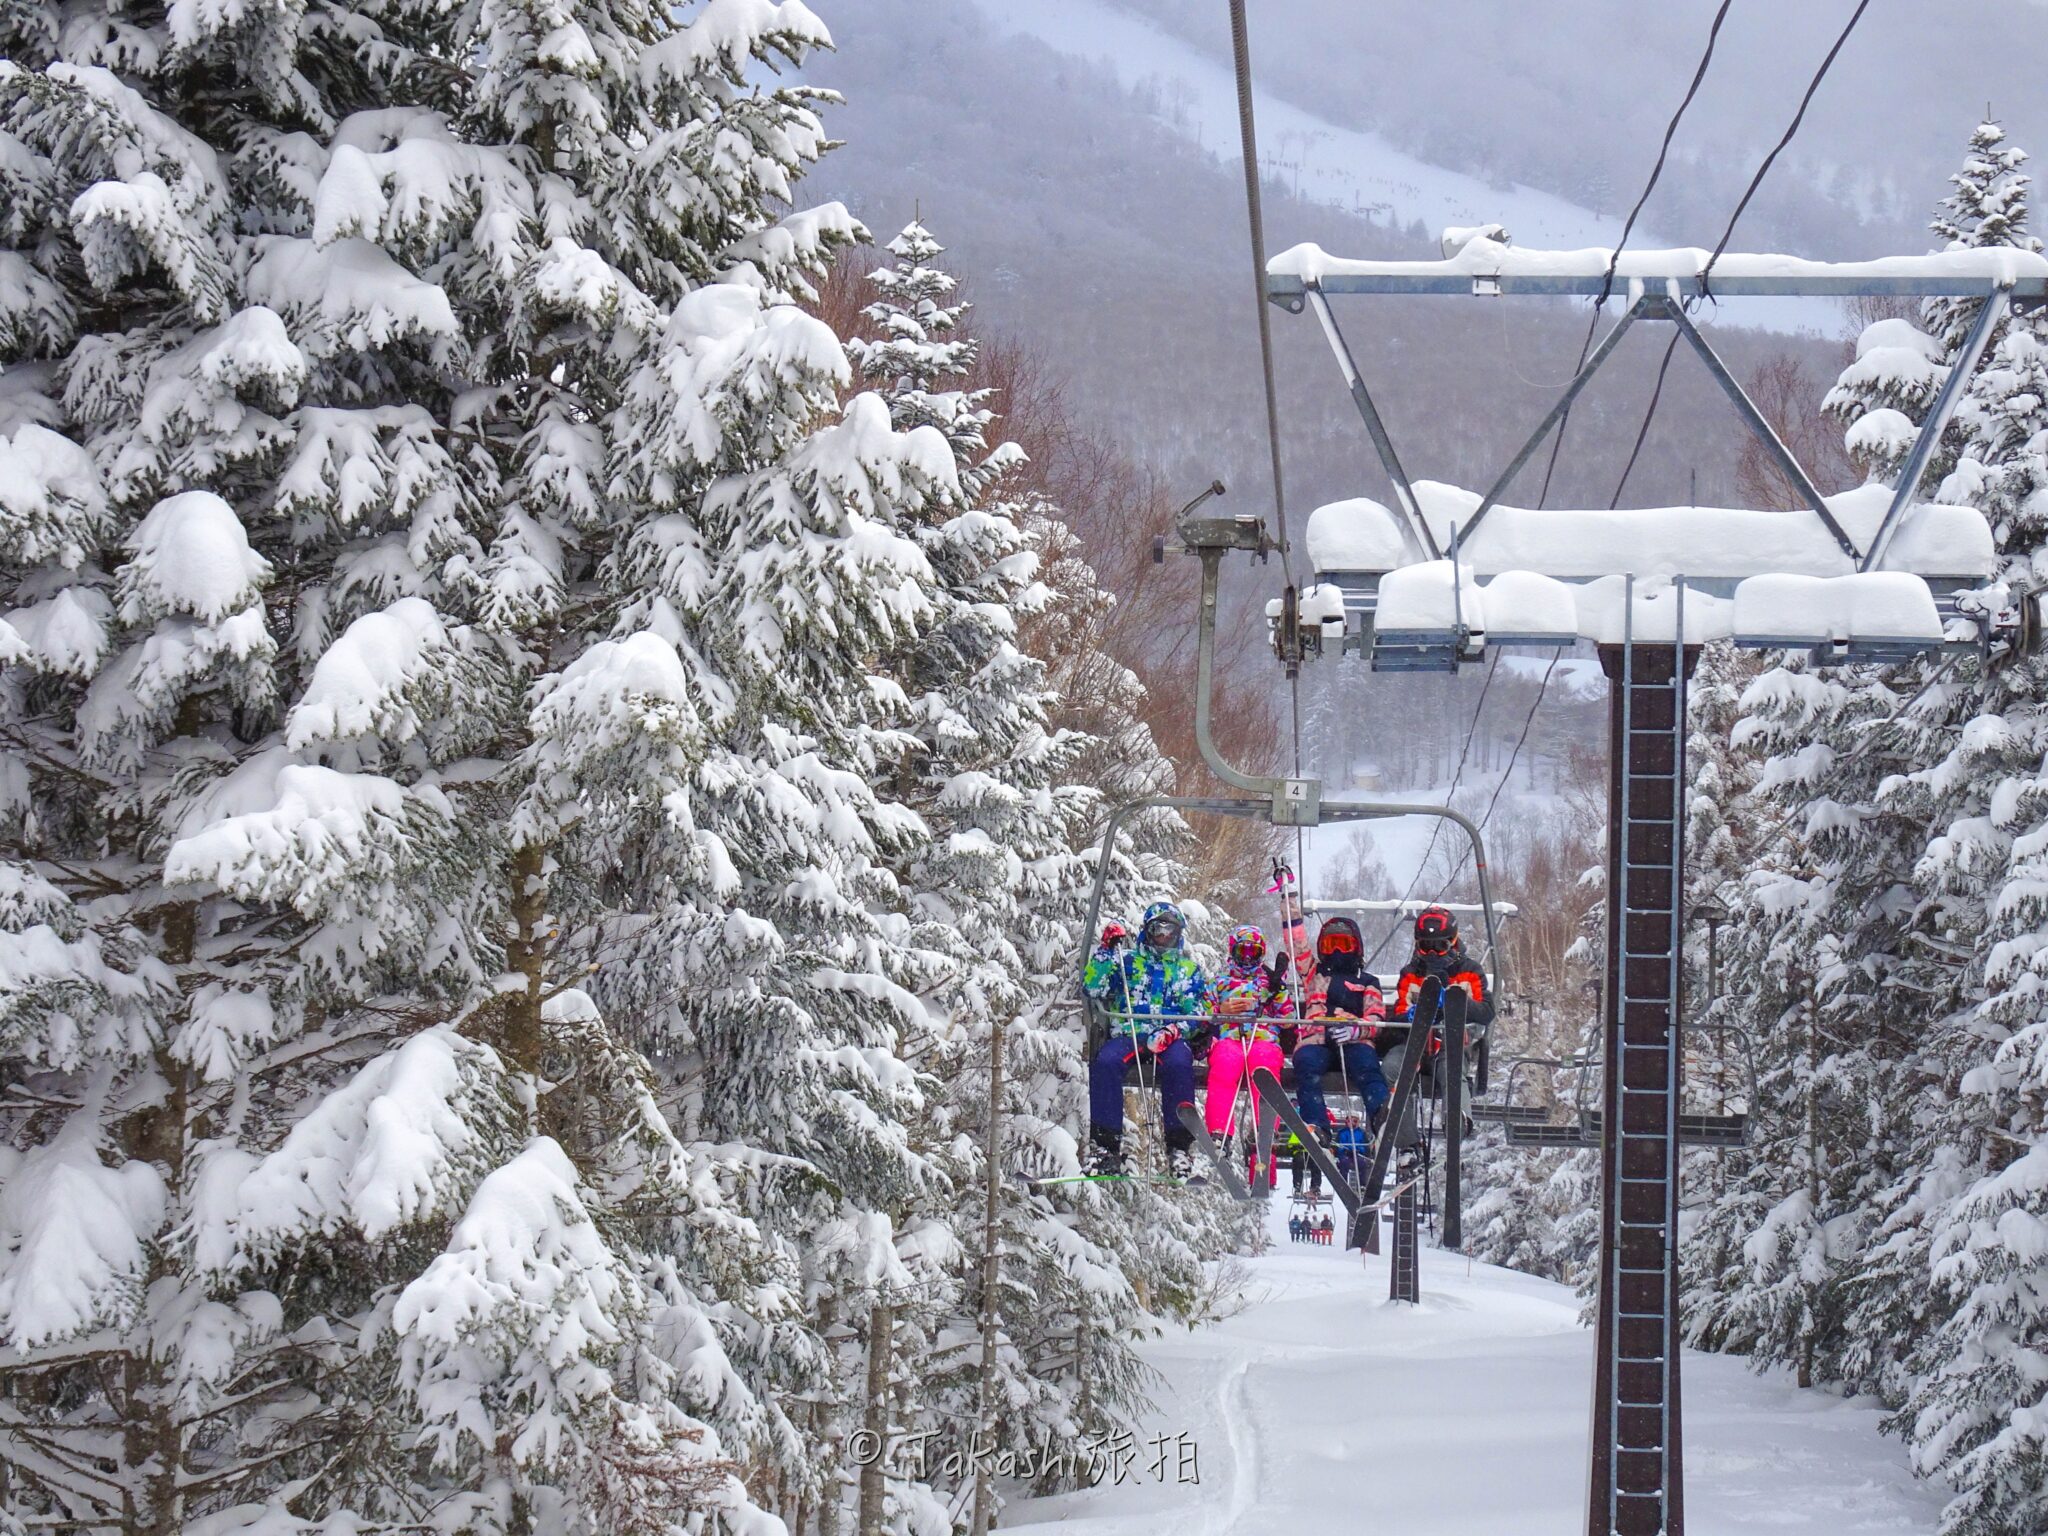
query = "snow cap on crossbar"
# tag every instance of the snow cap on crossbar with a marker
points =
(1704, 544)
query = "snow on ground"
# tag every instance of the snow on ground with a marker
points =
(1361, 172)
(1323, 1407)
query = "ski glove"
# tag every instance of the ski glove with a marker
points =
(1164, 1038)
(1340, 1034)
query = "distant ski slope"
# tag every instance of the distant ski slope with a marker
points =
(1360, 172)
(1324, 1408)
(1344, 167)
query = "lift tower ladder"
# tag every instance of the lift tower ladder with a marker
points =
(1636, 1472)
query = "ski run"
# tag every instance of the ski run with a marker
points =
(1324, 1409)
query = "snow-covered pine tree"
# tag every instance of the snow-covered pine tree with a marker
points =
(1959, 792)
(997, 889)
(1977, 1212)
(1879, 775)
(437, 577)
(1848, 939)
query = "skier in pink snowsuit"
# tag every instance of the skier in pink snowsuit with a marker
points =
(1248, 997)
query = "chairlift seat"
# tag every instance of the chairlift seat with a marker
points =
(1693, 1130)
(1509, 1114)
(1521, 1134)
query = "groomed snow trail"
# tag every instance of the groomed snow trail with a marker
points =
(1324, 1408)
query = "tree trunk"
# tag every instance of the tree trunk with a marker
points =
(1806, 1343)
(881, 1343)
(822, 1418)
(526, 956)
(152, 1440)
(991, 1275)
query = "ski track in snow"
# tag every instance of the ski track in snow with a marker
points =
(1325, 1408)
(1359, 171)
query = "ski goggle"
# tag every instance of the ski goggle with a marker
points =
(1247, 951)
(1433, 944)
(1338, 943)
(1161, 930)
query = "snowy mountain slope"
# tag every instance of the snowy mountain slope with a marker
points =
(1325, 1408)
(1575, 104)
(1082, 218)
(1323, 161)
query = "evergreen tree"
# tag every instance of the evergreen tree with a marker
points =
(1977, 1397)
(1890, 928)
(995, 891)
(438, 576)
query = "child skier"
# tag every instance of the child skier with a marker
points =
(1439, 953)
(1340, 1002)
(1249, 997)
(1353, 1149)
(1153, 993)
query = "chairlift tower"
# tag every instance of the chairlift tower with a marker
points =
(1429, 583)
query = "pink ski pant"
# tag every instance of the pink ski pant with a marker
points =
(1231, 1063)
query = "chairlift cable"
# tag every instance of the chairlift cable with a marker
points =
(1528, 721)
(1628, 225)
(1791, 128)
(1457, 774)
(1756, 181)
(1649, 415)
(1248, 139)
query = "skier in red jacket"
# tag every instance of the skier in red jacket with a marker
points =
(1439, 953)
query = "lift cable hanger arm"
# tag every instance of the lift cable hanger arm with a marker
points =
(1591, 366)
(1952, 388)
(1760, 428)
(1390, 461)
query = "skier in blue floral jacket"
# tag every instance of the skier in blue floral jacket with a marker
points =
(1155, 994)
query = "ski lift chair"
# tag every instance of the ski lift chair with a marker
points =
(1699, 1129)
(1530, 1125)
(1507, 1111)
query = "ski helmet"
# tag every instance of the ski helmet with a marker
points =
(1247, 947)
(1340, 945)
(1436, 931)
(1163, 925)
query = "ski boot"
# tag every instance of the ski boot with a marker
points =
(1105, 1152)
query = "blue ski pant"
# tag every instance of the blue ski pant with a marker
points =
(1361, 1064)
(1175, 1067)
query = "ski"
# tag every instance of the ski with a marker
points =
(1363, 1206)
(1269, 1089)
(1426, 1000)
(1191, 1118)
(1400, 1189)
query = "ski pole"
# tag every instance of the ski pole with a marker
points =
(1131, 1017)
(1344, 1069)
